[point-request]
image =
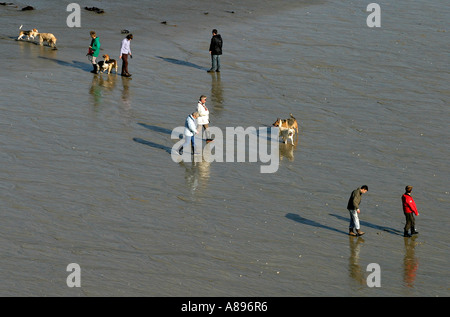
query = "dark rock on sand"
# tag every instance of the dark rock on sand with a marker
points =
(95, 9)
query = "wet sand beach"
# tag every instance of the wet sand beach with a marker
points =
(86, 174)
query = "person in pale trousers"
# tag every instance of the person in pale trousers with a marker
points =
(203, 117)
(190, 130)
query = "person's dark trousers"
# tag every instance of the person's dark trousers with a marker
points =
(410, 222)
(125, 64)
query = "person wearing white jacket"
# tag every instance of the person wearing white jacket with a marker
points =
(203, 117)
(190, 130)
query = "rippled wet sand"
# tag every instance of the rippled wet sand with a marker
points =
(86, 174)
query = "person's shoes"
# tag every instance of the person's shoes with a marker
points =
(126, 75)
(210, 71)
(95, 70)
(217, 71)
(359, 232)
(351, 233)
(414, 231)
(406, 234)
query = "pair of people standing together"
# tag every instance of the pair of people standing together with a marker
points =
(125, 51)
(408, 204)
(198, 120)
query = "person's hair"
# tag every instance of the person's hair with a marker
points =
(129, 36)
(201, 97)
(365, 187)
(214, 31)
(408, 189)
(93, 33)
(195, 114)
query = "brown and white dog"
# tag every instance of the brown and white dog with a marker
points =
(29, 34)
(287, 123)
(47, 37)
(107, 64)
(286, 133)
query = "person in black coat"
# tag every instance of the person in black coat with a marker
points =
(215, 49)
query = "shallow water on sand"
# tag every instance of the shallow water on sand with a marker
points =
(86, 174)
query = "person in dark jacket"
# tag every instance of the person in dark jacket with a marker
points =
(215, 49)
(353, 208)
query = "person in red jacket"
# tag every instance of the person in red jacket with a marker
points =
(409, 209)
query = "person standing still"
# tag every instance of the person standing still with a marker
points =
(353, 208)
(409, 210)
(94, 50)
(125, 51)
(203, 117)
(215, 49)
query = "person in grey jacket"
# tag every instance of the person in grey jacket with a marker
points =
(190, 130)
(353, 208)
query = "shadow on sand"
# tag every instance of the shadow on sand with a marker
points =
(155, 128)
(153, 145)
(75, 64)
(182, 63)
(312, 223)
(370, 225)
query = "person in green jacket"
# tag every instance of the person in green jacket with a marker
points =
(94, 50)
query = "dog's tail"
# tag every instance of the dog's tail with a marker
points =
(20, 27)
(291, 116)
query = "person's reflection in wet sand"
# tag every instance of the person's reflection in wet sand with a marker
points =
(410, 262)
(216, 94)
(99, 85)
(197, 175)
(96, 91)
(126, 93)
(198, 171)
(354, 267)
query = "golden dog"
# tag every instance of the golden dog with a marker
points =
(47, 37)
